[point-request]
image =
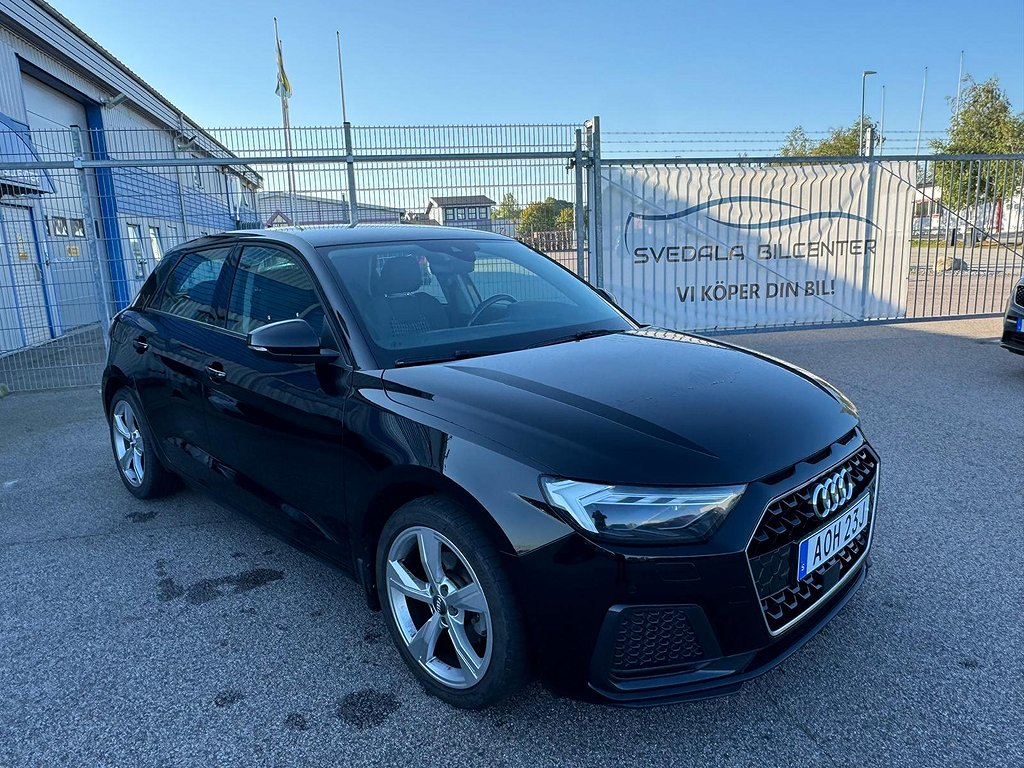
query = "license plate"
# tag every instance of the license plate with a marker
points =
(1020, 325)
(826, 541)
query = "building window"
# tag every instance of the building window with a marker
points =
(58, 226)
(460, 214)
(449, 214)
(135, 243)
(154, 243)
(197, 173)
(77, 227)
(172, 235)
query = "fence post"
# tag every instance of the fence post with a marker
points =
(177, 176)
(581, 266)
(353, 209)
(103, 293)
(868, 214)
(594, 196)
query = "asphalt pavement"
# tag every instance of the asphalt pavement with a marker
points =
(178, 633)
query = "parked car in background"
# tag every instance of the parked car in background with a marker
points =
(1013, 320)
(520, 476)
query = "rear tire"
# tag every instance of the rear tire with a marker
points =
(449, 605)
(132, 441)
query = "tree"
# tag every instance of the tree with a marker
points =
(797, 144)
(542, 216)
(840, 142)
(508, 209)
(985, 124)
(566, 219)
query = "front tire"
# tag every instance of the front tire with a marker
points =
(133, 443)
(449, 605)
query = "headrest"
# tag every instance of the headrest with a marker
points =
(401, 274)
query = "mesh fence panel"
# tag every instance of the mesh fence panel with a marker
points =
(86, 215)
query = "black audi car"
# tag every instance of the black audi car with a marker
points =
(521, 477)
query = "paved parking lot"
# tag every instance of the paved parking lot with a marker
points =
(175, 632)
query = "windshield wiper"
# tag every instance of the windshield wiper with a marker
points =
(447, 357)
(578, 336)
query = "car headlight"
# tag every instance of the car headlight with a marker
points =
(631, 513)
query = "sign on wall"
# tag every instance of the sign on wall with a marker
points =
(706, 246)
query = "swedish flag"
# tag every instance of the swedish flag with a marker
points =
(284, 86)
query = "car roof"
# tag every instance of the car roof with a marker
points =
(341, 235)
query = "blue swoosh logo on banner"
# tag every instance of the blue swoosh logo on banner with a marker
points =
(797, 219)
(814, 216)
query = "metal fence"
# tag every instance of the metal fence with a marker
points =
(87, 215)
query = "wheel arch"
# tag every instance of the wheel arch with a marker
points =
(113, 379)
(395, 490)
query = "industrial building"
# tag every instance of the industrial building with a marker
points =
(63, 96)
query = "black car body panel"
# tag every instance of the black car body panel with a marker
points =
(324, 452)
(683, 411)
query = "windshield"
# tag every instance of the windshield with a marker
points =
(443, 299)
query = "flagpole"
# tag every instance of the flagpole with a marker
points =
(959, 83)
(920, 114)
(341, 81)
(285, 120)
(346, 128)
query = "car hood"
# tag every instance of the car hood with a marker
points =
(646, 406)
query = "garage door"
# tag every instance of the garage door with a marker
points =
(50, 110)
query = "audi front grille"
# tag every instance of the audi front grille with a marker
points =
(772, 552)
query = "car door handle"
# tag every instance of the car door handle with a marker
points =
(216, 372)
(140, 344)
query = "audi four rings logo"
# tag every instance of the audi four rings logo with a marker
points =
(829, 495)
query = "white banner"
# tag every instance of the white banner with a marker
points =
(703, 246)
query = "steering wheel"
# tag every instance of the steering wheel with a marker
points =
(487, 304)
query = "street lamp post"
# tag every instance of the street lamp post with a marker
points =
(860, 125)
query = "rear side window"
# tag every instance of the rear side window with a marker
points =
(270, 285)
(189, 289)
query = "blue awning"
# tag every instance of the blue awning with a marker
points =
(16, 147)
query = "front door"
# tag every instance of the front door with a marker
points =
(25, 270)
(275, 426)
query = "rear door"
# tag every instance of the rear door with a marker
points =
(177, 336)
(276, 427)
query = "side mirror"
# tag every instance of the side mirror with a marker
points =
(607, 296)
(292, 341)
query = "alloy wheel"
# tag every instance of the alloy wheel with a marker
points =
(129, 445)
(439, 607)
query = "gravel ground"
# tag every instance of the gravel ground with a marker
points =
(176, 633)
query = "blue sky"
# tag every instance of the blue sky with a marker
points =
(717, 65)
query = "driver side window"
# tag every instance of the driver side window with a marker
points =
(270, 285)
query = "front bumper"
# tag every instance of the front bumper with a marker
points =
(723, 675)
(1013, 339)
(644, 626)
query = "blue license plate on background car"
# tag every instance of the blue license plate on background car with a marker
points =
(821, 545)
(1020, 325)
